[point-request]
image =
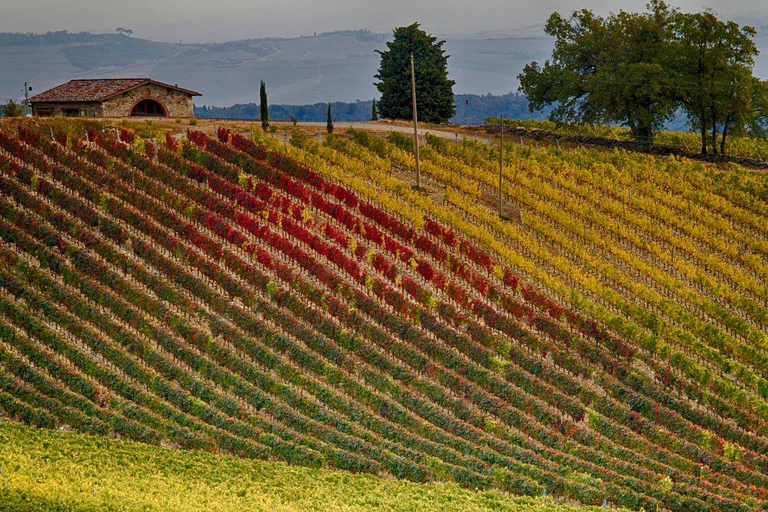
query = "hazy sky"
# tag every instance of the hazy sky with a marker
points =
(206, 20)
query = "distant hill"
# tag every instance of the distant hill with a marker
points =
(51, 38)
(334, 66)
(480, 107)
(302, 73)
(91, 51)
(513, 106)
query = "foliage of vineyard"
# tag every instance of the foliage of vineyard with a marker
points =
(53, 471)
(605, 341)
(748, 147)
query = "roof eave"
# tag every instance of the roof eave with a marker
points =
(155, 82)
(32, 100)
(142, 83)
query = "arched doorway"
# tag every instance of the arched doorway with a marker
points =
(148, 107)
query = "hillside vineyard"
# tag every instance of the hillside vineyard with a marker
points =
(90, 468)
(604, 342)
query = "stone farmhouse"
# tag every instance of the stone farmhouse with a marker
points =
(114, 97)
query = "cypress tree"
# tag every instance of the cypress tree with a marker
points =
(329, 121)
(263, 106)
(374, 114)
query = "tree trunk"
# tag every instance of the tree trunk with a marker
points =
(714, 133)
(703, 137)
(725, 134)
(644, 134)
(633, 129)
(728, 117)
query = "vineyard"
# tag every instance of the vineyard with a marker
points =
(603, 341)
(94, 473)
(749, 147)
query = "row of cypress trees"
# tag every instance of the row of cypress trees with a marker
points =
(264, 110)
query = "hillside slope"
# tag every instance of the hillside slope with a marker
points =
(336, 66)
(605, 343)
(96, 473)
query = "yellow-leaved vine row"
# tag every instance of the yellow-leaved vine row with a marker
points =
(350, 172)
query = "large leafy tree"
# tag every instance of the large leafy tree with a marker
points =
(638, 69)
(713, 62)
(434, 91)
(757, 123)
(608, 70)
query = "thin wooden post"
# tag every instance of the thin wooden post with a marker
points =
(501, 158)
(415, 124)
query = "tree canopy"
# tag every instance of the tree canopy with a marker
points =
(12, 109)
(639, 69)
(434, 91)
(714, 61)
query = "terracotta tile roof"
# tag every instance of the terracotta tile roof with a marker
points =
(98, 89)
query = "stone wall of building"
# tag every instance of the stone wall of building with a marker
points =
(68, 109)
(176, 103)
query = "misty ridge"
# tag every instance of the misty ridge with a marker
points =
(303, 73)
(333, 66)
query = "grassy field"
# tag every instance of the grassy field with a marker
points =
(58, 471)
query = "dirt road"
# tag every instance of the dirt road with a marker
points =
(387, 127)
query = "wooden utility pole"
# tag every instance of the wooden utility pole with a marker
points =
(501, 158)
(415, 125)
(27, 88)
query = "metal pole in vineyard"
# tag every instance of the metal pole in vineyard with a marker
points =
(415, 125)
(501, 158)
